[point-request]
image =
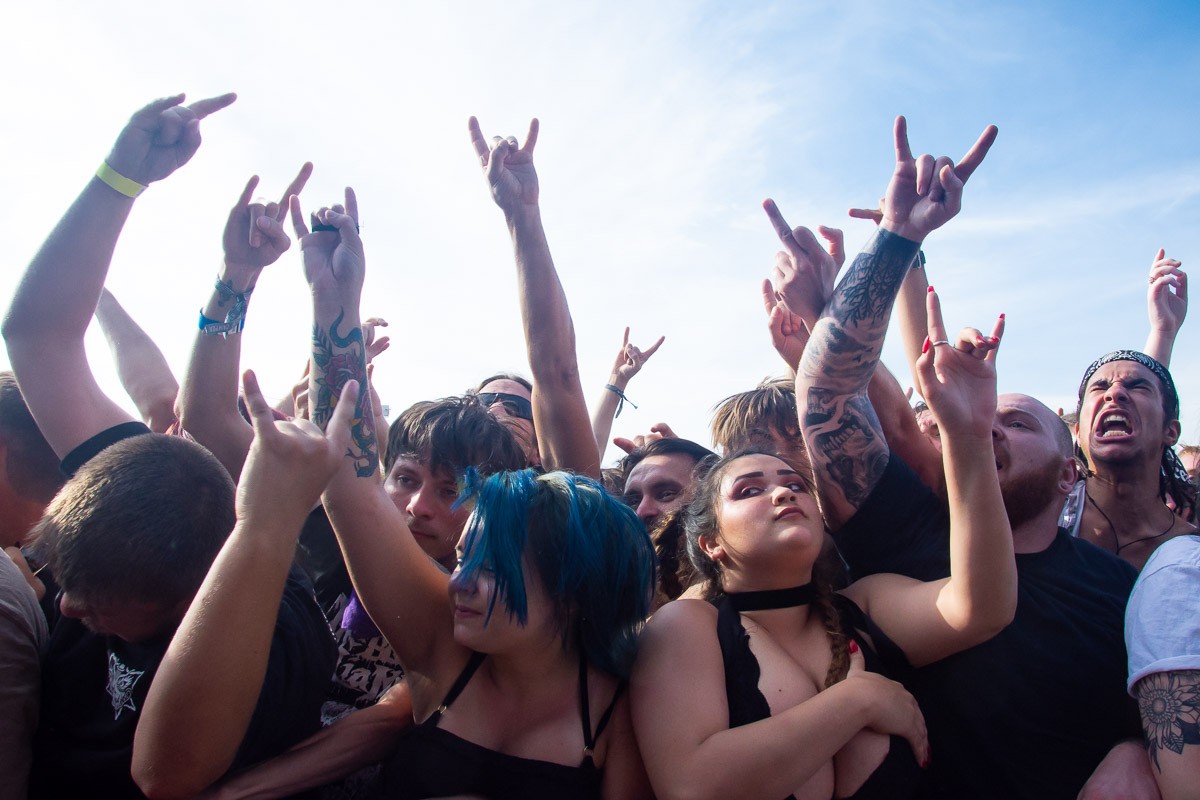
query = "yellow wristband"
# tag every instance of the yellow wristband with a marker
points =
(126, 186)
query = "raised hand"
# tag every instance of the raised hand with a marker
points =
(374, 345)
(630, 360)
(333, 252)
(925, 193)
(290, 462)
(804, 275)
(958, 379)
(658, 431)
(508, 168)
(162, 137)
(1167, 299)
(254, 235)
(788, 333)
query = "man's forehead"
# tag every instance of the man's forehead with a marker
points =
(1023, 402)
(673, 465)
(1123, 369)
(419, 463)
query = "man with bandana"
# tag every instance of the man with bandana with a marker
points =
(1128, 425)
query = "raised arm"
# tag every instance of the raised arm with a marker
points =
(57, 296)
(141, 366)
(184, 740)
(1167, 304)
(794, 299)
(629, 362)
(560, 415)
(839, 425)
(400, 587)
(930, 621)
(253, 239)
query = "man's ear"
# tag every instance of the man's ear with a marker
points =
(1068, 475)
(1171, 434)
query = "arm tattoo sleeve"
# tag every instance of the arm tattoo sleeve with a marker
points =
(336, 359)
(840, 428)
(1170, 706)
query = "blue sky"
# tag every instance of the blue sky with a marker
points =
(663, 127)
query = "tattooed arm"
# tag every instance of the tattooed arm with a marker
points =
(840, 427)
(1170, 707)
(371, 531)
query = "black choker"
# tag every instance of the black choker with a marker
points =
(771, 598)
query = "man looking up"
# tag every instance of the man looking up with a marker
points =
(1015, 716)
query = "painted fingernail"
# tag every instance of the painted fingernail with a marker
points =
(1001, 316)
(853, 647)
(994, 339)
(930, 289)
(925, 347)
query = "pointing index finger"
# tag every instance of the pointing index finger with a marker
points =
(202, 108)
(477, 141)
(782, 229)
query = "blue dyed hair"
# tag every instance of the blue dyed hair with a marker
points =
(589, 550)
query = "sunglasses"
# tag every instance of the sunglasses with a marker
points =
(514, 405)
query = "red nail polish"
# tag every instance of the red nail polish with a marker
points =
(853, 647)
(930, 289)
(925, 347)
(1001, 316)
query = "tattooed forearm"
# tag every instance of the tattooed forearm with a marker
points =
(866, 294)
(1170, 706)
(845, 443)
(336, 359)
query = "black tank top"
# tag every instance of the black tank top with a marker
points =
(897, 777)
(431, 762)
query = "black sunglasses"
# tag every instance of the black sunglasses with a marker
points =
(514, 405)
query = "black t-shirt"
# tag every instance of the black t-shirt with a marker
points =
(1033, 711)
(94, 687)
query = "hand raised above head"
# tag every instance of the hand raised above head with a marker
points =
(804, 275)
(508, 168)
(254, 235)
(630, 359)
(958, 379)
(1167, 298)
(290, 462)
(162, 137)
(925, 193)
(333, 251)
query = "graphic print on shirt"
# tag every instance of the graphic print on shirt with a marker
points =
(121, 680)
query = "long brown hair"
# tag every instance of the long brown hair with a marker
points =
(699, 519)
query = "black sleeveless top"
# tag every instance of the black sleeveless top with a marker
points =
(431, 762)
(898, 776)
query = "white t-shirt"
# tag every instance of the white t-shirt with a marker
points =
(1162, 620)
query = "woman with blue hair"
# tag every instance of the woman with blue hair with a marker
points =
(517, 662)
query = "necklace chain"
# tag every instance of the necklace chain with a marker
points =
(1113, 528)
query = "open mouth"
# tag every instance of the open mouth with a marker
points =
(1114, 425)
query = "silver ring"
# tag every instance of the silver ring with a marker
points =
(940, 341)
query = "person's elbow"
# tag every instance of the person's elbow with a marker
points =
(175, 770)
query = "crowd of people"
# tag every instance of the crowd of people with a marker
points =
(846, 596)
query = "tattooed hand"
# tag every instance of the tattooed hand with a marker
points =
(924, 193)
(958, 379)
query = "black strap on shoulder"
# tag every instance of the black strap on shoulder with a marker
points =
(589, 738)
(460, 683)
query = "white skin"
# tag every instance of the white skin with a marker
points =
(659, 484)
(427, 498)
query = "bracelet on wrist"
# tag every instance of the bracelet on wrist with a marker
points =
(118, 182)
(215, 327)
(623, 400)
